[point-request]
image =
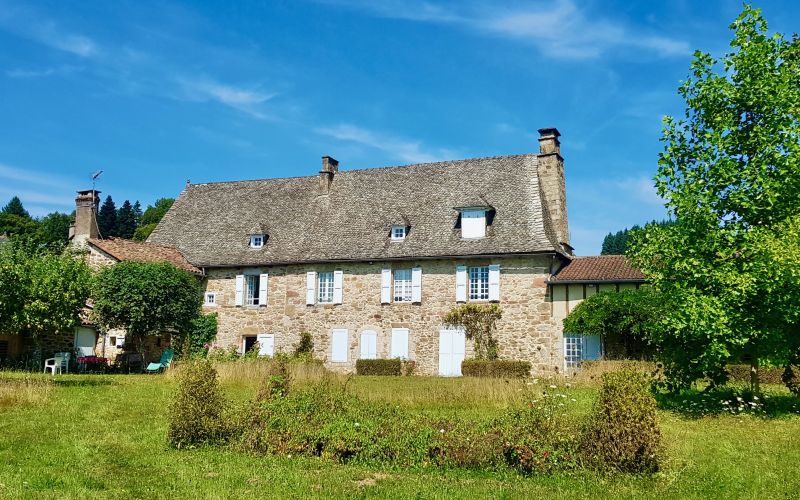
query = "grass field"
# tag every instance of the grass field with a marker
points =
(104, 436)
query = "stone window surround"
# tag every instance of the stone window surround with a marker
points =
(213, 299)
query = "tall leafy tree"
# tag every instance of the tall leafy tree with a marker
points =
(151, 217)
(54, 230)
(14, 207)
(146, 298)
(41, 293)
(730, 175)
(107, 218)
(126, 221)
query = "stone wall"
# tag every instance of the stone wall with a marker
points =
(527, 331)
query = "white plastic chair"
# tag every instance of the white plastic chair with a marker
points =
(59, 363)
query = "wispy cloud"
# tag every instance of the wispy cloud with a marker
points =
(403, 149)
(27, 176)
(560, 29)
(244, 99)
(640, 188)
(28, 23)
(40, 73)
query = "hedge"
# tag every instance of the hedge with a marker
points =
(499, 368)
(392, 367)
(766, 375)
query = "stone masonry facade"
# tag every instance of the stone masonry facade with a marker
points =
(527, 330)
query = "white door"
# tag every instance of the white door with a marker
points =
(85, 340)
(266, 344)
(451, 352)
(369, 344)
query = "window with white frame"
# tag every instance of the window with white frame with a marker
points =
(479, 283)
(402, 285)
(256, 240)
(325, 288)
(572, 351)
(398, 233)
(473, 223)
(210, 299)
(252, 285)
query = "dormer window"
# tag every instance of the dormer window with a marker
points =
(473, 223)
(256, 240)
(398, 233)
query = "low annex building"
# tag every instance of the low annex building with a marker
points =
(369, 261)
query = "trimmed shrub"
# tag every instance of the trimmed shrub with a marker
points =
(497, 368)
(623, 432)
(391, 367)
(196, 414)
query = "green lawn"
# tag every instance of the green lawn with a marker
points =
(104, 436)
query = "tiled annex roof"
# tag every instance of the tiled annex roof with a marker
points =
(137, 251)
(599, 268)
(210, 223)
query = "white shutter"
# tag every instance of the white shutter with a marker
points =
(386, 286)
(494, 282)
(461, 284)
(416, 284)
(337, 286)
(266, 344)
(339, 346)
(311, 287)
(369, 345)
(240, 289)
(399, 343)
(263, 288)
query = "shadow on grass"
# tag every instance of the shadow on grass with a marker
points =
(83, 382)
(730, 400)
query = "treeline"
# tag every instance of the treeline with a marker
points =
(128, 221)
(619, 242)
(51, 232)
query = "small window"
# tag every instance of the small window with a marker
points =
(473, 223)
(325, 294)
(479, 283)
(256, 240)
(252, 285)
(210, 299)
(398, 233)
(402, 285)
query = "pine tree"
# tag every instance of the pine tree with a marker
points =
(137, 213)
(107, 218)
(126, 221)
(15, 207)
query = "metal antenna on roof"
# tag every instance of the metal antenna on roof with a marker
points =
(94, 180)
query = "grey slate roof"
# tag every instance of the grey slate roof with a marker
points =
(210, 223)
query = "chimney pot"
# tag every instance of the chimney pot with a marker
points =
(548, 141)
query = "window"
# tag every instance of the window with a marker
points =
(325, 295)
(256, 240)
(473, 223)
(252, 284)
(398, 233)
(579, 348)
(402, 285)
(479, 283)
(210, 299)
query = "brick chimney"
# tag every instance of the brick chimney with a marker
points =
(329, 168)
(551, 180)
(85, 224)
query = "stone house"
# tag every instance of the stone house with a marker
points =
(369, 261)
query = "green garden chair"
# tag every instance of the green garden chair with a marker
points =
(163, 364)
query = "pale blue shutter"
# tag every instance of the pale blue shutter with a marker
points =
(386, 286)
(240, 289)
(338, 278)
(461, 284)
(311, 287)
(416, 285)
(263, 289)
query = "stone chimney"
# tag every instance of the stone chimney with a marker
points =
(329, 168)
(85, 225)
(551, 181)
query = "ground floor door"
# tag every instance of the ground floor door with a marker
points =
(85, 340)
(451, 352)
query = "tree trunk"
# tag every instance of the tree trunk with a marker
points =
(754, 382)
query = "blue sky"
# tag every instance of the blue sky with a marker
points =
(155, 93)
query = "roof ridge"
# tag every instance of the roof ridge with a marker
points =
(354, 170)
